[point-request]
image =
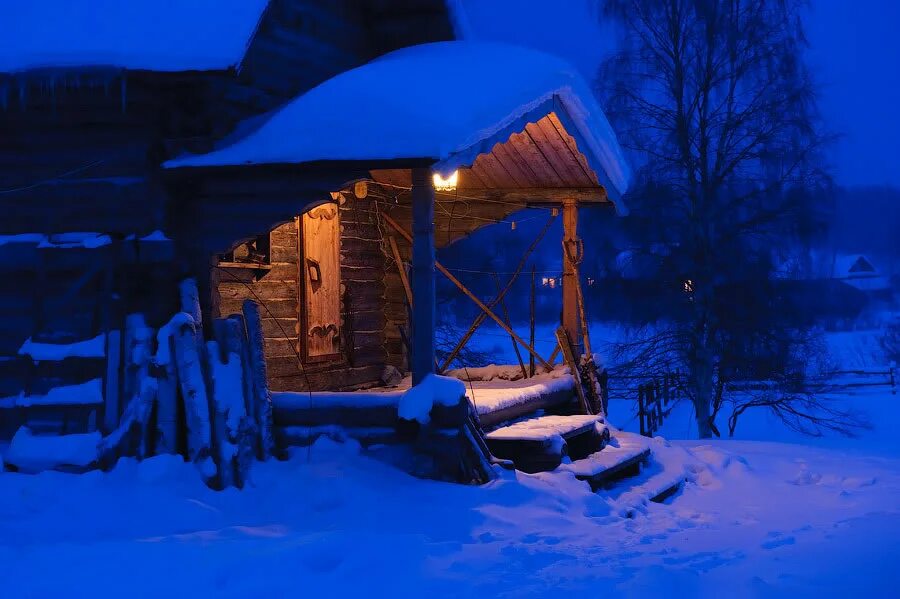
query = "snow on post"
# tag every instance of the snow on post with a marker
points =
(417, 403)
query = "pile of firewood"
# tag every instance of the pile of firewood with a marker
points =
(208, 401)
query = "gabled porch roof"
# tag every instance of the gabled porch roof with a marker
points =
(510, 118)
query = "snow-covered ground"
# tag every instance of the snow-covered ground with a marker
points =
(757, 518)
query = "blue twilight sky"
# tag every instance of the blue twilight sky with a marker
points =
(854, 48)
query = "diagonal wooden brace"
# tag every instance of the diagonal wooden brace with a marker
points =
(472, 296)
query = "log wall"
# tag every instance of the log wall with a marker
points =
(362, 307)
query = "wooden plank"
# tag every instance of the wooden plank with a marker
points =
(515, 165)
(569, 356)
(558, 153)
(490, 169)
(112, 403)
(522, 144)
(321, 275)
(573, 147)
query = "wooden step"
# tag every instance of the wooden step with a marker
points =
(540, 444)
(621, 458)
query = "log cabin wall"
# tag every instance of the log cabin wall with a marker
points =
(81, 150)
(279, 290)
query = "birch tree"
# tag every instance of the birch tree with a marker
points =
(714, 103)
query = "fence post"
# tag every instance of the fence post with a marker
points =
(659, 406)
(641, 409)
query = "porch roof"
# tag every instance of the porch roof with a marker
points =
(451, 103)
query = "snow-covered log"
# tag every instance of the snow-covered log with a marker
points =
(193, 390)
(232, 339)
(262, 399)
(132, 435)
(190, 304)
(228, 403)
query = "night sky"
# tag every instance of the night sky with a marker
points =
(854, 49)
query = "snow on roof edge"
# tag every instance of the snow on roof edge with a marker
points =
(453, 128)
(139, 35)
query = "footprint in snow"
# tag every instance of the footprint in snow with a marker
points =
(776, 539)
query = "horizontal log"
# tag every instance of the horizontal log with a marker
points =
(275, 308)
(264, 290)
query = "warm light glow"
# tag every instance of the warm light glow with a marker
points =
(448, 184)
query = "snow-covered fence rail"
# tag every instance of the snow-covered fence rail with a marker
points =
(208, 401)
(865, 378)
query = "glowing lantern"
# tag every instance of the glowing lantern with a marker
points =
(448, 184)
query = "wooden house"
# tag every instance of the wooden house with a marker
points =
(309, 156)
(91, 104)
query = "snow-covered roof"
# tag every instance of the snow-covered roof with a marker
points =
(447, 101)
(853, 266)
(157, 35)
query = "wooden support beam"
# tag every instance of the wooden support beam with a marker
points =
(481, 315)
(395, 251)
(571, 253)
(423, 284)
(530, 195)
(471, 296)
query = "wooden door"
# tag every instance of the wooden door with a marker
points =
(320, 239)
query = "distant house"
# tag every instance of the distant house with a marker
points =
(858, 270)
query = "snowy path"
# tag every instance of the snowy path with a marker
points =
(760, 519)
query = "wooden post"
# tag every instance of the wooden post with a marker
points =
(531, 369)
(423, 285)
(569, 290)
(113, 368)
(641, 410)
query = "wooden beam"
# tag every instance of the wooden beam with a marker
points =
(423, 285)
(570, 241)
(395, 251)
(528, 195)
(471, 296)
(481, 315)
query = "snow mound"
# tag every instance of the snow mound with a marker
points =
(34, 453)
(416, 403)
